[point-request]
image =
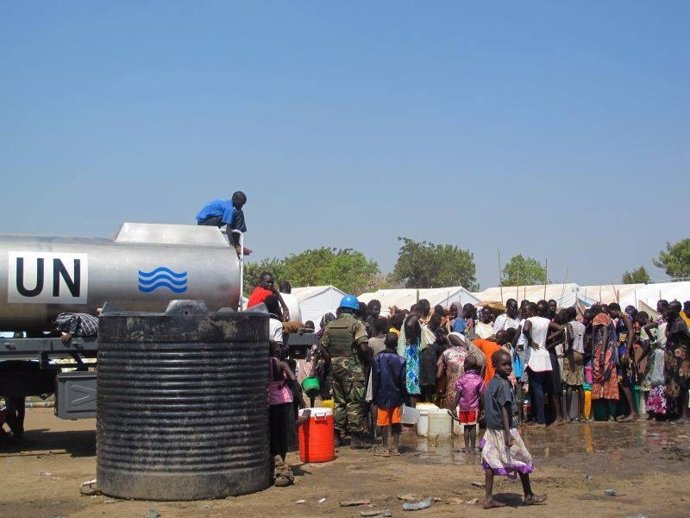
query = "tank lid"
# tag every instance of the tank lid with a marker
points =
(166, 234)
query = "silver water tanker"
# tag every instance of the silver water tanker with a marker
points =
(142, 268)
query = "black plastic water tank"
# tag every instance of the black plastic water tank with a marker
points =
(181, 411)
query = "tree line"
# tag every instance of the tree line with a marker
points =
(422, 264)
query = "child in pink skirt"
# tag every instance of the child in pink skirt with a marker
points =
(503, 452)
(469, 389)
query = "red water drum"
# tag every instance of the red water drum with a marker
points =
(316, 436)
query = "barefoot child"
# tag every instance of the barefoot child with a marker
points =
(469, 388)
(388, 386)
(503, 451)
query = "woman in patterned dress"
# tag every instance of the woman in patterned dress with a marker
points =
(604, 361)
(450, 364)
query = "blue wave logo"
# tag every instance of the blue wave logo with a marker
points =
(162, 277)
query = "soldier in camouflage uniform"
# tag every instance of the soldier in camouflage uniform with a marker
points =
(344, 342)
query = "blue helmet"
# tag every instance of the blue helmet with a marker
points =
(349, 301)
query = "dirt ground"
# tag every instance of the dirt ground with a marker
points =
(645, 462)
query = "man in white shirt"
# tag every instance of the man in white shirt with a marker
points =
(509, 319)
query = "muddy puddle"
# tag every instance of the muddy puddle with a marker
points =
(595, 445)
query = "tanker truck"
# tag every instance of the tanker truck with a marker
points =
(142, 268)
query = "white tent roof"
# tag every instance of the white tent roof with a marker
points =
(608, 293)
(564, 294)
(649, 294)
(404, 298)
(316, 301)
(567, 294)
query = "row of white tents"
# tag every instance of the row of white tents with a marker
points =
(319, 300)
(641, 296)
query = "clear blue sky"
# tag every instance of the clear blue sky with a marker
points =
(558, 130)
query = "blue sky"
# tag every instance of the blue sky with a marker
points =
(552, 129)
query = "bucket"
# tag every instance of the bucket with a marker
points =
(588, 374)
(409, 415)
(588, 404)
(311, 386)
(316, 436)
(423, 421)
(440, 423)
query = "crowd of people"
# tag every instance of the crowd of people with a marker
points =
(534, 362)
(625, 359)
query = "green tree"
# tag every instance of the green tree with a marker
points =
(675, 260)
(637, 276)
(520, 271)
(252, 270)
(345, 269)
(428, 265)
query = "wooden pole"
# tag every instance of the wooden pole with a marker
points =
(517, 287)
(564, 281)
(615, 292)
(500, 277)
(546, 275)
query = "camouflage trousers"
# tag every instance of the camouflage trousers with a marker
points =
(348, 382)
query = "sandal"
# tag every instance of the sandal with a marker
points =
(381, 452)
(535, 499)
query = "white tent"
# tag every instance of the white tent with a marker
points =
(568, 294)
(608, 293)
(404, 298)
(649, 294)
(565, 295)
(316, 301)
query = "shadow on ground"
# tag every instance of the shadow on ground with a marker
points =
(81, 443)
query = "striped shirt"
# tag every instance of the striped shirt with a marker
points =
(77, 324)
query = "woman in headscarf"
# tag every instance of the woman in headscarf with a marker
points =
(455, 322)
(451, 364)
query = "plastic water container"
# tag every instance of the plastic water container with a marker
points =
(311, 386)
(588, 404)
(440, 424)
(423, 421)
(316, 436)
(409, 415)
(588, 374)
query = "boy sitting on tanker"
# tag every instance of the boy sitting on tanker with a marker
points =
(217, 213)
